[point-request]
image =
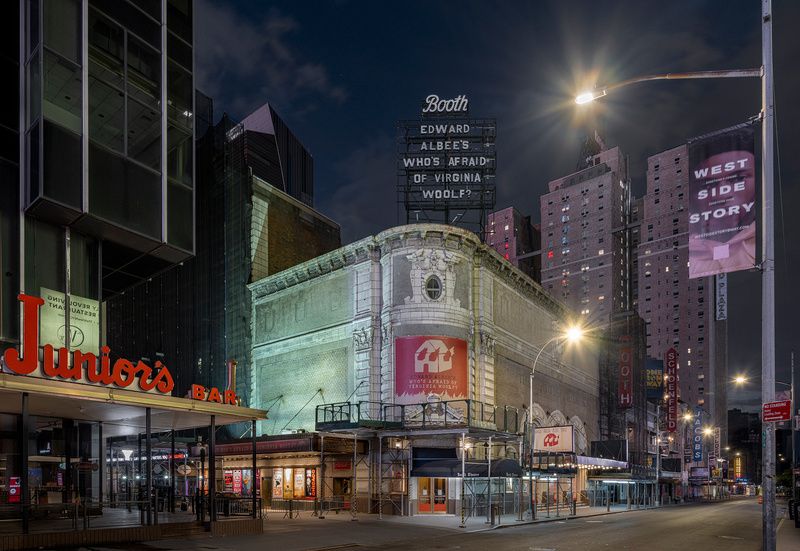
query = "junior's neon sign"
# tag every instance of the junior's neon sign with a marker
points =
(85, 366)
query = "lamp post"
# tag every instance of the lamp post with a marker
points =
(767, 240)
(572, 334)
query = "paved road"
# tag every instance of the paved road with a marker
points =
(729, 526)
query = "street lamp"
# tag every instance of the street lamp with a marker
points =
(767, 241)
(573, 334)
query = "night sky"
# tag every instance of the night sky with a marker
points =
(341, 73)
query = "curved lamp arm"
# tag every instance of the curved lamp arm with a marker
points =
(599, 92)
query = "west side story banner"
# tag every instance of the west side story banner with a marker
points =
(722, 207)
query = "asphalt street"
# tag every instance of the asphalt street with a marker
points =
(730, 526)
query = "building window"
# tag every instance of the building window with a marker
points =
(433, 287)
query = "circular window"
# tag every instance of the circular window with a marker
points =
(433, 287)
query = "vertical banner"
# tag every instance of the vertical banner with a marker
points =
(625, 390)
(671, 367)
(717, 451)
(721, 297)
(697, 443)
(722, 208)
(429, 368)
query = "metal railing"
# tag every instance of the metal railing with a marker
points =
(438, 414)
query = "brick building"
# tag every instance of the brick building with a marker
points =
(512, 235)
(584, 243)
(679, 311)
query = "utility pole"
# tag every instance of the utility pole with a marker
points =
(793, 433)
(767, 276)
(658, 455)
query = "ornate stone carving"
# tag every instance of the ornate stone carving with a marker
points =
(487, 344)
(386, 334)
(362, 339)
(433, 262)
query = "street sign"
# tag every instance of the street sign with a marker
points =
(777, 411)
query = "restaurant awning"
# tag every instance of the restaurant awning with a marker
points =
(452, 468)
(122, 412)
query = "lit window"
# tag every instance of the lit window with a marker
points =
(601, 251)
(506, 227)
(601, 297)
(666, 269)
(688, 350)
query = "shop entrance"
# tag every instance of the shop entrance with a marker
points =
(432, 495)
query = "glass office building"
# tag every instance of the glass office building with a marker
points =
(97, 152)
(97, 181)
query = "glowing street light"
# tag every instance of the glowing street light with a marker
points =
(740, 379)
(767, 236)
(586, 97)
(572, 334)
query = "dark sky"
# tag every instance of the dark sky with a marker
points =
(341, 73)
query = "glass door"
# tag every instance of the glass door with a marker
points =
(424, 497)
(439, 495)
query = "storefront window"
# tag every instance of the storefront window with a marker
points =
(294, 483)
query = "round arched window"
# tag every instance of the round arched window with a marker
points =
(433, 287)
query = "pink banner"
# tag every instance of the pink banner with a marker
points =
(430, 366)
(722, 203)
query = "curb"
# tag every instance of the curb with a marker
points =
(573, 517)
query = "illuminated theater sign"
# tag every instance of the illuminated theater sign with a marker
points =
(78, 366)
(446, 164)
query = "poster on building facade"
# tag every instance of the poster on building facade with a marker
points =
(277, 483)
(430, 369)
(655, 378)
(722, 207)
(84, 321)
(554, 439)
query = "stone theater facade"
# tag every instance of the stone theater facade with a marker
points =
(420, 340)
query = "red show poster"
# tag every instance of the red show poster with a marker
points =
(430, 366)
(14, 489)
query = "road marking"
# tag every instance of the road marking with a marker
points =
(596, 521)
(730, 538)
(542, 549)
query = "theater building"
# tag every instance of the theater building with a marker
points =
(419, 342)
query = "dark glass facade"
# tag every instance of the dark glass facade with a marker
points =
(97, 179)
(205, 303)
(97, 150)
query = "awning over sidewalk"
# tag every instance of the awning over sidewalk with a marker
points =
(452, 468)
(122, 412)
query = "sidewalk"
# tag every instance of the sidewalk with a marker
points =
(788, 537)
